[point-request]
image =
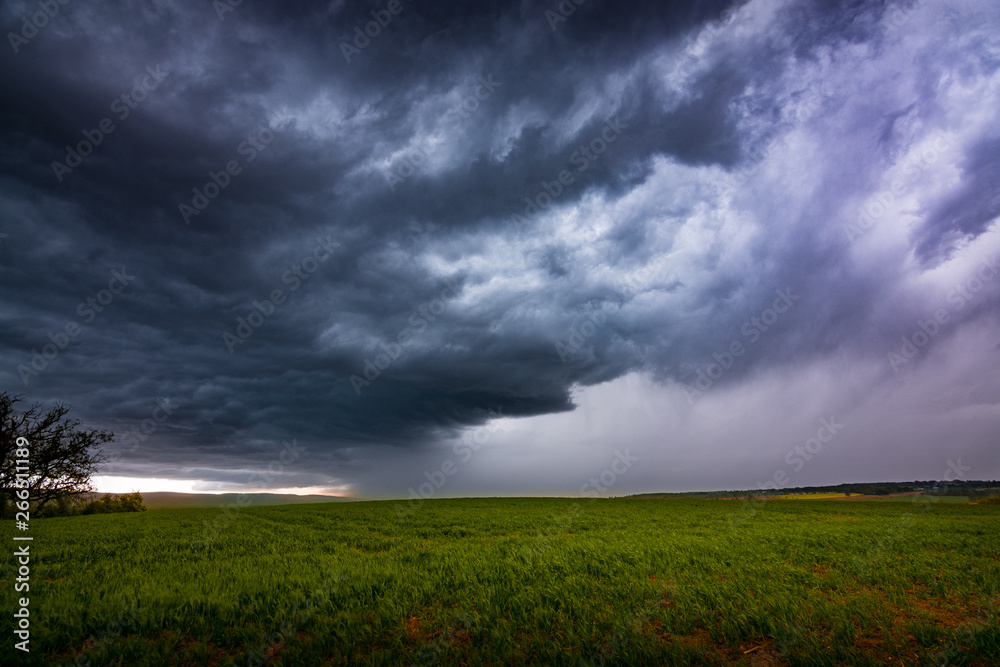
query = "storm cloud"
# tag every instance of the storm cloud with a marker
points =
(689, 228)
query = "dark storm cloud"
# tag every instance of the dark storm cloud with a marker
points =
(969, 210)
(380, 207)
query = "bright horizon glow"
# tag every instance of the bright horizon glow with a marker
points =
(116, 484)
(121, 484)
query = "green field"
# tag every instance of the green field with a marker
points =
(520, 581)
(909, 499)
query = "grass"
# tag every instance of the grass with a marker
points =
(520, 581)
(166, 500)
(960, 500)
(891, 498)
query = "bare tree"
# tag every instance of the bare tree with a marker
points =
(62, 458)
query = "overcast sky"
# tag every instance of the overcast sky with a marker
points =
(495, 248)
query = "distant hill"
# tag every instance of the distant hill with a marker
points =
(167, 500)
(966, 488)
